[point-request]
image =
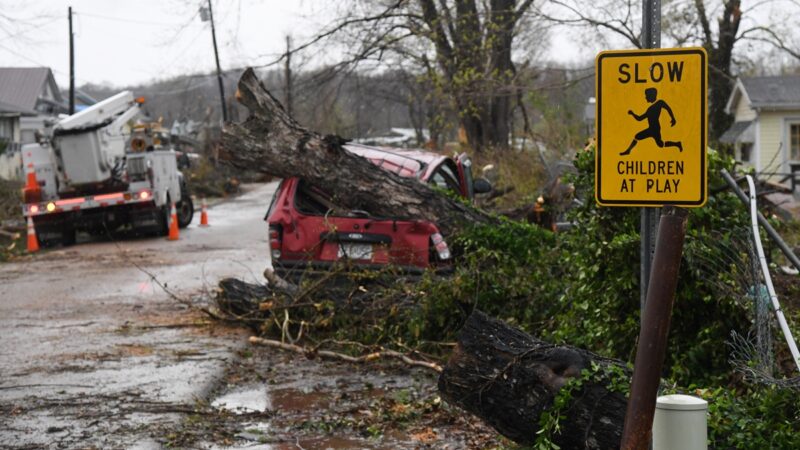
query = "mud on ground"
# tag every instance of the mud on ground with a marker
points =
(274, 400)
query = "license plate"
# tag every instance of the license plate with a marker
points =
(355, 251)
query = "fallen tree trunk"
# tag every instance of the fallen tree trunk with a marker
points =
(272, 142)
(509, 379)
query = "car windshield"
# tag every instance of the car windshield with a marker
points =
(312, 200)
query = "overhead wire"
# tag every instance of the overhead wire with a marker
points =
(29, 29)
(127, 20)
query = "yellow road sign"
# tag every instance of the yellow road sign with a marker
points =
(651, 127)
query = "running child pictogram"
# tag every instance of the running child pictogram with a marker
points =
(653, 129)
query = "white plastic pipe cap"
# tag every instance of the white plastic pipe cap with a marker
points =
(680, 423)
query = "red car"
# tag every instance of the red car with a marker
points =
(308, 231)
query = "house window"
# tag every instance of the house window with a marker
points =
(794, 141)
(746, 151)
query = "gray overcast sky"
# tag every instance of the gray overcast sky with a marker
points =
(124, 42)
(121, 42)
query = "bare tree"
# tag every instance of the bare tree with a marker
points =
(718, 26)
(465, 47)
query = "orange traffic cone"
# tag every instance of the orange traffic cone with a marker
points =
(31, 193)
(173, 224)
(31, 181)
(33, 243)
(203, 213)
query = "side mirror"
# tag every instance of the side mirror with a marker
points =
(481, 186)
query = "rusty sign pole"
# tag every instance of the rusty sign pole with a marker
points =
(637, 432)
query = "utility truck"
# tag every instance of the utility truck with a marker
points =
(96, 171)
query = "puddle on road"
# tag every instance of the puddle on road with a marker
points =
(247, 400)
(323, 443)
(290, 400)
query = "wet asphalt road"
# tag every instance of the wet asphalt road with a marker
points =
(93, 352)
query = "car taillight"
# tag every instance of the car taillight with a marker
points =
(275, 238)
(441, 246)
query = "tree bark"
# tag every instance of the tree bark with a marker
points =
(272, 142)
(474, 56)
(509, 378)
(720, 56)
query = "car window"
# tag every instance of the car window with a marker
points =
(445, 177)
(274, 200)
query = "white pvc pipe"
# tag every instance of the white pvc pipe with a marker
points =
(680, 423)
(787, 333)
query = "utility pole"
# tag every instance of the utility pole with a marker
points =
(71, 64)
(288, 75)
(216, 57)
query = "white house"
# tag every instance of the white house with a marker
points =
(27, 96)
(766, 128)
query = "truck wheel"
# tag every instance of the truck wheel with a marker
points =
(185, 211)
(47, 237)
(162, 218)
(67, 236)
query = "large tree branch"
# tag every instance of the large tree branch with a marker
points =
(272, 142)
(703, 18)
(443, 48)
(620, 27)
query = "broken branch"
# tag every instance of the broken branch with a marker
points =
(372, 356)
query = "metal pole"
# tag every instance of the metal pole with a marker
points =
(219, 71)
(648, 222)
(288, 75)
(652, 347)
(71, 65)
(776, 238)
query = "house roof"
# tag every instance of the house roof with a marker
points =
(775, 92)
(734, 132)
(6, 108)
(22, 86)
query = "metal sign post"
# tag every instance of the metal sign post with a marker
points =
(651, 152)
(648, 221)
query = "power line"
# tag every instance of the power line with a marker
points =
(39, 64)
(127, 20)
(32, 28)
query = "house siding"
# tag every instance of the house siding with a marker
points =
(770, 139)
(743, 111)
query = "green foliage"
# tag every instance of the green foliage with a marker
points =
(601, 295)
(502, 270)
(582, 288)
(612, 377)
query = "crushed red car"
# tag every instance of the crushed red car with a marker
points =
(307, 230)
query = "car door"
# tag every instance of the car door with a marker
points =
(447, 176)
(465, 172)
